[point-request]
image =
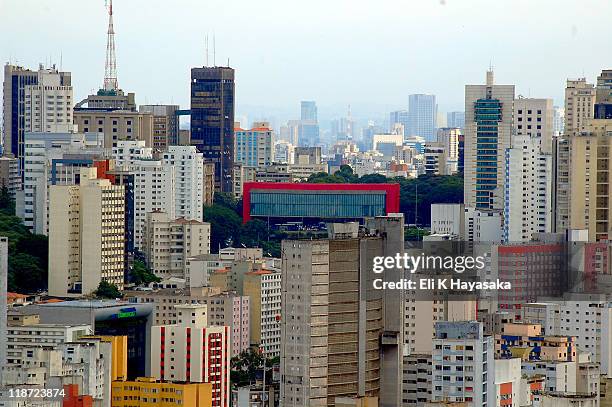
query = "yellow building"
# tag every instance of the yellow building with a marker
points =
(590, 180)
(119, 354)
(86, 235)
(148, 392)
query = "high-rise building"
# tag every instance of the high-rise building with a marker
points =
(165, 124)
(168, 243)
(558, 120)
(264, 289)
(579, 105)
(188, 166)
(193, 351)
(603, 99)
(308, 110)
(52, 159)
(16, 79)
(579, 110)
(86, 235)
(212, 120)
(422, 114)
(255, 147)
(463, 368)
(448, 138)
(434, 159)
(329, 351)
(48, 104)
(589, 180)
(455, 119)
(401, 117)
(528, 196)
(488, 129)
(154, 190)
(308, 131)
(3, 294)
(535, 118)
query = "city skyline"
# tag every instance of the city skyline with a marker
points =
(328, 78)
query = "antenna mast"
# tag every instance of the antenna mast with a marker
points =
(110, 70)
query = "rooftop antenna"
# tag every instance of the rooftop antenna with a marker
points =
(61, 60)
(110, 69)
(214, 51)
(228, 62)
(206, 45)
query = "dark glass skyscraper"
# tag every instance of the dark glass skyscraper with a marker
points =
(212, 120)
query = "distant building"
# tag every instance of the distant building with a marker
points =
(212, 120)
(86, 235)
(422, 113)
(254, 147)
(401, 117)
(455, 119)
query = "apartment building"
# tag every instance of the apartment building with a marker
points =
(170, 242)
(329, 351)
(528, 196)
(52, 159)
(193, 351)
(86, 235)
(263, 287)
(224, 309)
(463, 364)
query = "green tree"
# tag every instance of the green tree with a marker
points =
(141, 274)
(7, 204)
(26, 273)
(246, 365)
(107, 290)
(225, 226)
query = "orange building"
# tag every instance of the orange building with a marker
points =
(73, 399)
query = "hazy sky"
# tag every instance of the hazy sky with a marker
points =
(369, 53)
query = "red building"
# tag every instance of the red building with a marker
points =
(280, 201)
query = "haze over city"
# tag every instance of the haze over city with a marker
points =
(369, 55)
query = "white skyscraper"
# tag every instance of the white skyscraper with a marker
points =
(48, 104)
(528, 204)
(154, 190)
(188, 181)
